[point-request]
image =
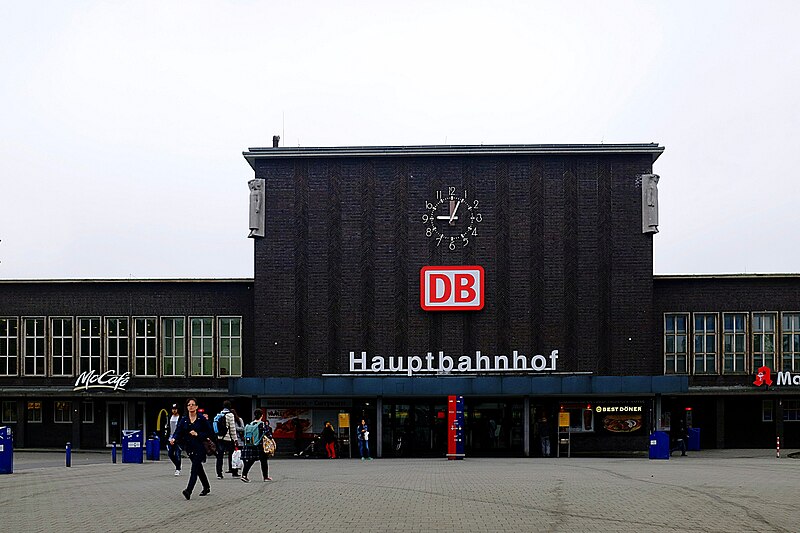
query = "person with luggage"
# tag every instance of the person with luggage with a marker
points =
(173, 449)
(362, 431)
(225, 430)
(254, 434)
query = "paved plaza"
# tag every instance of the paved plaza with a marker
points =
(717, 490)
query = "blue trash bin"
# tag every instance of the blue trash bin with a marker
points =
(153, 448)
(132, 446)
(694, 440)
(659, 445)
(6, 451)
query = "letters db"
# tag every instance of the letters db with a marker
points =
(451, 288)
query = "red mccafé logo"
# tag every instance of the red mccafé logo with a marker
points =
(451, 288)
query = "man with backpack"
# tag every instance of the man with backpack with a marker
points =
(225, 429)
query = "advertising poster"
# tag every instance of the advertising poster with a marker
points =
(285, 422)
(620, 418)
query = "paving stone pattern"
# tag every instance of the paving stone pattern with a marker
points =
(715, 491)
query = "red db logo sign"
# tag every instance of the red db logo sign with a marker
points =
(451, 288)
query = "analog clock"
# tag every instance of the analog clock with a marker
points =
(452, 218)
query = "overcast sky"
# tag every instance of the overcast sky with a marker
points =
(122, 123)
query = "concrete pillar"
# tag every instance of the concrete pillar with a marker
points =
(720, 422)
(378, 427)
(526, 427)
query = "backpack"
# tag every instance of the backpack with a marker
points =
(220, 425)
(252, 433)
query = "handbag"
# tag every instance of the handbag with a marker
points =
(236, 460)
(211, 448)
(269, 446)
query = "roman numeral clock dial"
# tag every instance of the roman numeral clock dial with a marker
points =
(452, 219)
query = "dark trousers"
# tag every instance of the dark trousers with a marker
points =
(197, 472)
(263, 459)
(174, 453)
(224, 446)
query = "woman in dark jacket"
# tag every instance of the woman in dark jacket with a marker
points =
(191, 433)
(329, 438)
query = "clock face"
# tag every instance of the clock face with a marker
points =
(452, 219)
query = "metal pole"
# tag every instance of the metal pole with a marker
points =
(114, 452)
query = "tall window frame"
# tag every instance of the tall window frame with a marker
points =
(118, 344)
(734, 342)
(763, 334)
(9, 415)
(62, 412)
(62, 346)
(90, 344)
(145, 346)
(35, 346)
(201, 345)
(790, 341)
(676, 346)
(230, 346)
(33, 411)
(9, 346)
(173, 346)
(705, 343)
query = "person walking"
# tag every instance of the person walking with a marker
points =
(329, 438)
(363, 440)
(254, 434)
(226, 440)
(191, 433)
(544, 436)
(173, 449)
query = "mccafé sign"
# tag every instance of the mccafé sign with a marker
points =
(451, 288)
(106, 380)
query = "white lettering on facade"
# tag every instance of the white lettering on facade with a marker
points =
(786, 378)
(446, 364)
(107, 380)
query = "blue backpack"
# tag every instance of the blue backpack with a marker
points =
(252, 433)
(220, 425)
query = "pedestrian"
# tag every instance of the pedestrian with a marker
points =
(173, 449)
(681, 440)
(362, 431)
(191, 433)
(225, 430)
(254, 434)
(239, 428)
(329, 438)
(544, 435)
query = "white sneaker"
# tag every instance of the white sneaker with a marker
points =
(177, 472)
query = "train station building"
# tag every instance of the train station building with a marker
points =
(388, 278)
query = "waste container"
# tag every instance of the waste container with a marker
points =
(153, 448)
(659, 445)
(131, 446)
(6, 451)
(694, 439)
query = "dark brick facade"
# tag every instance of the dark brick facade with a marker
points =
(86, 298)
(567, 266)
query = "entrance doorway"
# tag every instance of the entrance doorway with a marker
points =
(116, 421)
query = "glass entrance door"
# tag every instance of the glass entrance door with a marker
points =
(116, 421)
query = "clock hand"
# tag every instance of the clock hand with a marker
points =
(453, 213)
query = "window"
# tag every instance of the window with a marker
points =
(34, 347)
(173, 343)
(34, 412)
(62, 344)
(62, 412)
(8, 347)
(230, 346)
(87, 412)
(790, 333)
(202, 342)
(734, 345)
(146, 356)
(766, 411)
(9, 412)
(675, 343)
(791, 410)
(705, 343)
(89, 344)
(763, 340)
(117, 344)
